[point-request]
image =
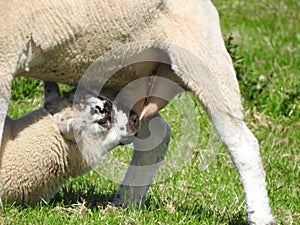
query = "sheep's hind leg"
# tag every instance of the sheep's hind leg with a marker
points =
(212, 79)
(150, 147)
(243, 148)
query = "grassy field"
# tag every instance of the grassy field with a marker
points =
(264, 42)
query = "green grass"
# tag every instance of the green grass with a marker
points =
(264, 41)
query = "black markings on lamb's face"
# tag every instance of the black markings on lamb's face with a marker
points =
(108, 112)
(106, 121)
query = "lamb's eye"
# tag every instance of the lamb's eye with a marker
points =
(102, 122)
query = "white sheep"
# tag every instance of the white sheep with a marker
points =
(180, 40)
(39, 152)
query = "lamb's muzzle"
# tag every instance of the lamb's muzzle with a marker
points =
(134, 122)
(132, 128)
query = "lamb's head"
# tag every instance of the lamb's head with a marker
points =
(97, 125)
(101, 118)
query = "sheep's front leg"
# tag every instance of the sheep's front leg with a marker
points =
(5, 89)
(150, 147)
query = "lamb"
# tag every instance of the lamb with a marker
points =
(108, 45)
(33, 167)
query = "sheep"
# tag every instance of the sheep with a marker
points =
(33, 165)
(118, 42)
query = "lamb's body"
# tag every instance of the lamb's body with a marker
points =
(39, 151)
(58, 40)
(35, 164)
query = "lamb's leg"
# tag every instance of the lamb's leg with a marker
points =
(145, 162)
(5, 92)
(51, 91)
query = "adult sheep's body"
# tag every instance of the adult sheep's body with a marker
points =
(39, 152)
(58, 40)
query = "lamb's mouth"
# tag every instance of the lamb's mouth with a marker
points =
(133, 122)
(132, 128)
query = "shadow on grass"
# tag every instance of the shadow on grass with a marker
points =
(238, 219)
(71, 195)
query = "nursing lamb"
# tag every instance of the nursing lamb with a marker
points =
(180, 40)
(39, 152)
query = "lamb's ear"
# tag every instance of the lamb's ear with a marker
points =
(65, 126)
(51, 91)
